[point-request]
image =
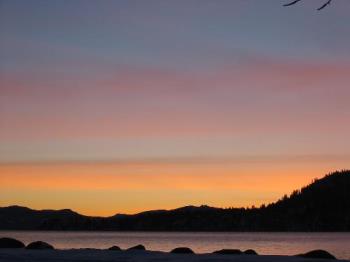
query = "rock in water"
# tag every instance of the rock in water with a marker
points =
(115, 248)
(39, 245)
(138, 247)
(228, 252)
(182, 250)
(250, 252)
(318, 254)
(6, 242)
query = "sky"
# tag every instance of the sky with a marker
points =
(123, 106)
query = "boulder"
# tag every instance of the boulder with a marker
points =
(228, 252)
(182, 250)
(318, 254)
(6, 242)
(138, 247)
(250, 252)
(39, 245)
(115, 248)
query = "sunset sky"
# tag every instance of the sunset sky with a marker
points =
(124, 106)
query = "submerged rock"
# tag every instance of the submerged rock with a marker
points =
(318, 254)
(138, 247)
(6, 242)
(115, 248)
(250, 252)
(228, 252)
(182, 250)
(39, 245)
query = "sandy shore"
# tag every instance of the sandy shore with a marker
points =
(8, 255)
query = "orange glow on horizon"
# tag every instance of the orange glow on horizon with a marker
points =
(105, 189)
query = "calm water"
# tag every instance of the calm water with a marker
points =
(263, 243)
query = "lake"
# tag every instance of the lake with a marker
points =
(264, 243)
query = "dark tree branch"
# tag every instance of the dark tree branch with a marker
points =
(320, 8)
(292, 3)
(324, 5)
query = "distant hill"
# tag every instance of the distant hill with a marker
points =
(324, 205)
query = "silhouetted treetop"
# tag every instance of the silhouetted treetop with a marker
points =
(323, 205)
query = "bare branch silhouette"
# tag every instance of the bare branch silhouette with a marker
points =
(320, 8)
(324, 5)
(292, 3)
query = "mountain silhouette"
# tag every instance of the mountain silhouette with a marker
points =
(324, 205)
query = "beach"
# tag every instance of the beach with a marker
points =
(80, 255)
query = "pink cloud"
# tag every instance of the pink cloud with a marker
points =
(260, 95)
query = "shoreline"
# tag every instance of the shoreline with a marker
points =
(80, 255)
(12, 249)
